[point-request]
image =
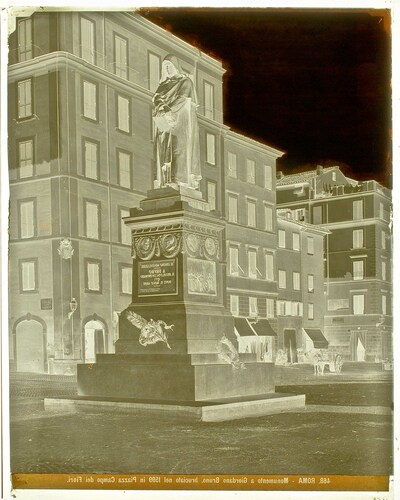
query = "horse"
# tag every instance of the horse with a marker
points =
(314, 356)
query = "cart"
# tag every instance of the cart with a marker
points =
(322, 358)
(331, 359)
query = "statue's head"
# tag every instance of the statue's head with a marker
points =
(170, 67)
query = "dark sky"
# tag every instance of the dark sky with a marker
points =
(315, 84)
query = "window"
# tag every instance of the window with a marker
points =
(269, 267)
(252, 263)
(358, 238)
(121, 56)
(310, 283)
(358, 269)
(384, 304)
(299, 214)
(268, 177)
(125, 231)
(281, 238)
(317, 215)
(270, 308)
(125, 169)
(310, 245)
(234, 305)
(126, 279)
(25, 40)
(334, 176)
(212, 194)
(92, 219)
(209, 100)
(25, 158)
(296, 280)
(381, 211)
(251, 213)
(296, 241)
(123, 114)
(210, 148)
(25, 99)
(154, 71)
(232, 208)
(383, 240)
(93, 275)
(28, 275)
(384, 277)
(27, 218)
(358, 304)
(310, 311)
(269, 222)
(358, 209)
(89, 100)
(232, 164)
(87, 40)
(91, 159)
(280, 307)
(253, 308)
(234, 261)
(281, 278)
(251, 171)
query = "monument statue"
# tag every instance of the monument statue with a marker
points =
(176, 133)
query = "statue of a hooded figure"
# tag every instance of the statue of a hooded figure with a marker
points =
(176, 133)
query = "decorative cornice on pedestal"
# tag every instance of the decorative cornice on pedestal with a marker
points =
(195, 240)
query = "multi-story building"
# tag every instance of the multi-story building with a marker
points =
(358, 258)
(301, 301)
(250, 204)
(81, 155)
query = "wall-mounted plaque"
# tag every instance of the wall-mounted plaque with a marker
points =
(158, 277)
(46, 304)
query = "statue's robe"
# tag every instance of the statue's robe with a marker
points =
(176, 133)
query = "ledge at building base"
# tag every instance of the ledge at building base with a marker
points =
(206, 411)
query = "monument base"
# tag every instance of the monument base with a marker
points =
(211, 411)
(176, 377)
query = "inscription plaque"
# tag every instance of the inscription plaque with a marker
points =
(46, 304)
(158, 277)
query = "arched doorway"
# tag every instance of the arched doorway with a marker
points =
(94, 340)
(30, 346)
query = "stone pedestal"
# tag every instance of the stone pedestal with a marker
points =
(179, 277)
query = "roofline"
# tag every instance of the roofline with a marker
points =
(247, 141)
(313, 228)
(294, 184)
(161, 33)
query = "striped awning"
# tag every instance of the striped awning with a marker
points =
(247, 327)
(263, 328)
(316, 335)
(243, 328)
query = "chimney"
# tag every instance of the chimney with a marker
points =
(279, 174)
(320, 169)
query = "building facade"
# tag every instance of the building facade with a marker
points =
(250, 210)
(358, 257)
(301, 303)
(81, 155)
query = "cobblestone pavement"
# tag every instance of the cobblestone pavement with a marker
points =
(309, 442)
(289, 443)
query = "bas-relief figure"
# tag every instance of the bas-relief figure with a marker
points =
(176, 133)
(151, 331)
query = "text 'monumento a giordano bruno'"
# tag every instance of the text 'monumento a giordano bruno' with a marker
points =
(157, 277)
